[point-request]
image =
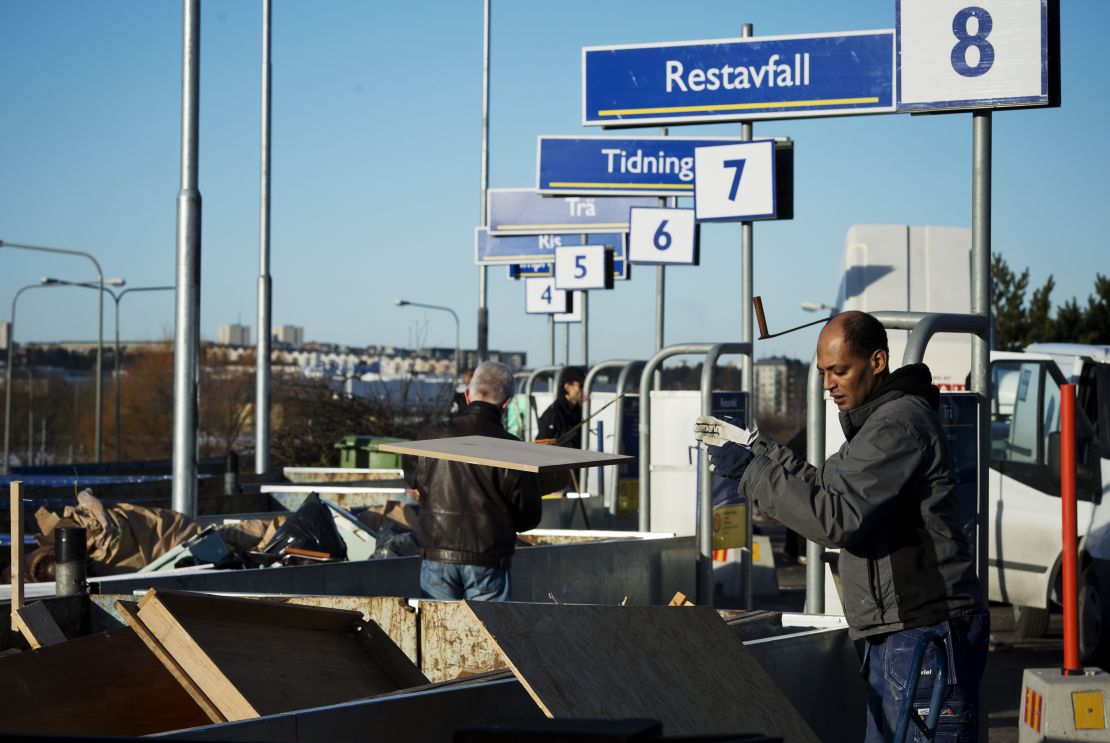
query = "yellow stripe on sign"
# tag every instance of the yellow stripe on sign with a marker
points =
(591, 226)
(674, 186)
(735, 106)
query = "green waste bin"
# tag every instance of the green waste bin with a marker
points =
(362, 452)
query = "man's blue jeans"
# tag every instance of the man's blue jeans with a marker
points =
(449, 581)
(887, 660)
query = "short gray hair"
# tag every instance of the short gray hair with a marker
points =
(492, 382)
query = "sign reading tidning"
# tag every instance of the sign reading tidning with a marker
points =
(767, 77)
(534, 248)
(735, 182)
(655, 166)
(523, 211)
(958, 54)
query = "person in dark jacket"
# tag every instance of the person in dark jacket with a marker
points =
(566, 412)
(470, 514)
(887, 500)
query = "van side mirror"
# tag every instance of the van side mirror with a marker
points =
(1053, 454)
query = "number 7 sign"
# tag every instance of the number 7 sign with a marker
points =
(735, 182)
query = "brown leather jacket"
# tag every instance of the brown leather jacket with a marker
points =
(470, 513)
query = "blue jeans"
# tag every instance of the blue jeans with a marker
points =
(448, 581)
(887, 660)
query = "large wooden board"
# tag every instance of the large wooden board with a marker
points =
(103, 684)
(251, 657)
(507, 453)
(680, 665)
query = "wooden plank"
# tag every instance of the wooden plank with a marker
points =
(15, 498)
(453, 643)
(253, 658)
(130, 612)
(507, 453)
(103, 684)
(684, 668)
(37, 626)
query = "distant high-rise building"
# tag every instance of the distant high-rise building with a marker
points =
(235, 335)
(780, 386)
(5, 333)
(292, 335)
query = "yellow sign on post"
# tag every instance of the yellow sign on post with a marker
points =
(1089, 709)
(730, 526)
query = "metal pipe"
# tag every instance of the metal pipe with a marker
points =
(929, 325)
(645, 418)
(483, 310)
(8, 377)
(99, 382)
(981, 305)
(262, 368)
(553, 369)
(187, 310)
(613, 488)
(705, 495)
(747, 238)
(587, 390)
(70, 565)
(585, 329)
(551, 338)
(1070, 554)
(815, 455)
(660, 297)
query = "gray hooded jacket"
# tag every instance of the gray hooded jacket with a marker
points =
(887, 500)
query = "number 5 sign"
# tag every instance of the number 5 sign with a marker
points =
(735, 181)
(968, 54)
(584, 267)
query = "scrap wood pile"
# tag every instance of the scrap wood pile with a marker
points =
(126, 538)
(188, 660)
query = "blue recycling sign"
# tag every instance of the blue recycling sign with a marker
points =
(765, 77)
(655, 166)
(535, 248)
(524, 211)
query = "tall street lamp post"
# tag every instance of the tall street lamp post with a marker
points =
(100, 331)
(458, 365)
(116, 297)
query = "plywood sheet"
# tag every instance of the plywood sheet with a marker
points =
(38, 626)
(682, 666)
(103, 684)
(507, 453)
(453, 643)
(253, 657)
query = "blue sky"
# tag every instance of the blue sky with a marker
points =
(376, 156)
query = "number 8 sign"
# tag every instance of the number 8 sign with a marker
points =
(968, 54)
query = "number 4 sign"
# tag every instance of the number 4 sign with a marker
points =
(542, 298)
(735, 181)
(658, 235)
(967, 54)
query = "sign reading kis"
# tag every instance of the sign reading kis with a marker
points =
(959, 54)
(662, 235)
(535, 248)
(764, 77)
(735, 181)
(542, 298)
(584, 267)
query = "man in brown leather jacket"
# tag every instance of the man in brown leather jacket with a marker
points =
(470, 514)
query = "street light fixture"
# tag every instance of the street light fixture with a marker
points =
(816, 306)
(43, 284)
(458, 363)
(100, 322)
(116, 297)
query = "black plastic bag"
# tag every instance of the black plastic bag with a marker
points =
(311, 527)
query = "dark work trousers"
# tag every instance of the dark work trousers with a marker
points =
(887, 660)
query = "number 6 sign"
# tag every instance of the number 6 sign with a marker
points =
(968, 54)
(659, 235)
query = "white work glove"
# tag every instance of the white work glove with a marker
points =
(712, 431)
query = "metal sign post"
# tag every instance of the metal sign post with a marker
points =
(265, 285)
(483, 310)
